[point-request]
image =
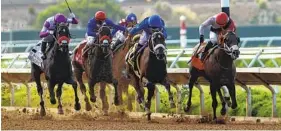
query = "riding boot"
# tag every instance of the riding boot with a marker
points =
(205, 52)
(115, 44)
(43, 49)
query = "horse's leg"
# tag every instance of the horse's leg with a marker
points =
(115, 84)
(92, 84)
(223, 108)
(58, 93)
(129, 98)
(35, 72)
(168, 88)
(103, 97)
(232, 93)
(192, 80)
(78, 72)
(213, 89)
(51, 86)
(151, 89)
(137, 87)
(77, 105)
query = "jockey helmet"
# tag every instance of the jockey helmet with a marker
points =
(131, 18)
(60, 18)
(100, 15)
(154, 21)
(222, 19)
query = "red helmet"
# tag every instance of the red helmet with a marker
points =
(100, 15)
(222, 19)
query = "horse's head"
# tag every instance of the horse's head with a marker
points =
(104, 35)
(62, 36)
(157, 45)
(229, 43)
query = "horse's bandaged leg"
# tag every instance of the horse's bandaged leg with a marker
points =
(225, 91)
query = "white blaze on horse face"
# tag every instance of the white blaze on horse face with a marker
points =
(234, 48)
(159, 46)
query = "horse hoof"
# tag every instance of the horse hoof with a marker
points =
(77, 106)
(60, 111)
(88, 107)
(186, 109)
(42, 112)
(172, 105)
(105, 113)
(234, 106)
(53, 101)
(93, 99)
(223, 112)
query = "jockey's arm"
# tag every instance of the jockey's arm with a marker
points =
(90, 28)
(72, 19)
(138, 28)
(205, 25)
(45, 30)
(114, 26)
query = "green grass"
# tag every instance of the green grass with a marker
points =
(261, 100)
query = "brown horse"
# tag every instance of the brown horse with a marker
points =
(119, 55)
(219, 70)
(151, 69)
(98, 68)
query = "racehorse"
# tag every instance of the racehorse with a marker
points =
(98, 68)
(151, 69)
(57, 69)
(219, 70)
(119, 55)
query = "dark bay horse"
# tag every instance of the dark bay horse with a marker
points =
(219, 70)
(151, 70)
(57, 70)
(118, 68)
(98, 68)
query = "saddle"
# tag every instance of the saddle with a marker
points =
(195, 59)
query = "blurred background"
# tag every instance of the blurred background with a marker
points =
(255, 18)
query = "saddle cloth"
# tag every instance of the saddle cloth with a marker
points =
(78, 53)
(35, 55)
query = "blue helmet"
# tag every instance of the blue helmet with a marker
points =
(154, 21)
(131, 17)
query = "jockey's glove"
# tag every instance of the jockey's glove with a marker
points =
(201, 38)
(51, 32)
(90, 40)
(72, 15)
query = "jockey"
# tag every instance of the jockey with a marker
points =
(149, 25)
(129, 23)
(94, 24)
(50, 25)
(218, 22)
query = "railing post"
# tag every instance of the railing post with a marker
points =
(177, 58)
(157, 100)
(248, 100)
(28, 94)
(12, 97)
(255, 58)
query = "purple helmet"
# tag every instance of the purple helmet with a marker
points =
(60, 18)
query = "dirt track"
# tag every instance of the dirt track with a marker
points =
(30, 119)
